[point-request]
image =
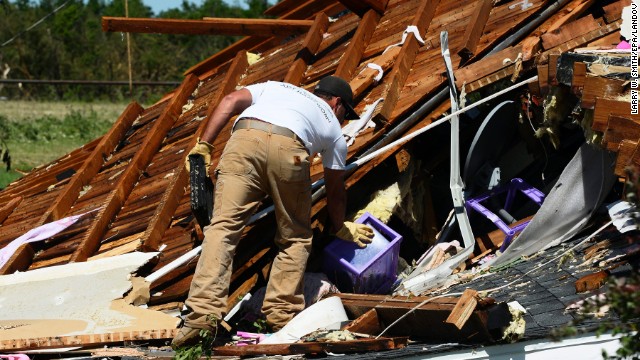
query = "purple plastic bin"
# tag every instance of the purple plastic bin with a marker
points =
(371, 270)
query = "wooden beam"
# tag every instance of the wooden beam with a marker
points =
(227, 54)
(600, 87)
(310, 45)
(591, 281)
(88, 341)
(91, 165)
(576, 10)
(475, 28)
(402, 66)
(8, 208)
(367, 323)
(613, 12)
(163, 214)
(351, 58)
(20, 260)
(569, 31)
(127, 180)
(463, 309)
(208, 26)
(361, 7)
(579, 77)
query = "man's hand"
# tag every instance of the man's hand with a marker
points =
(202, 148)
(360, 234)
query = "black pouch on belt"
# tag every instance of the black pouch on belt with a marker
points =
(201, 190)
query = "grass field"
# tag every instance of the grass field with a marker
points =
(37, 133)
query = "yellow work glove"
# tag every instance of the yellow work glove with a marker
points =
(360, 234)
(202, 148)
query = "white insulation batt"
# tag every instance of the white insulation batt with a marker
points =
(75, 299)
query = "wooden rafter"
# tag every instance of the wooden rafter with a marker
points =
(366, 77)
(475, 28)
(487, 65)
(208, 26)
(8, 208)
(309, 47)
(121, 190)
(351, 58)
(402, 66)
(171, 198)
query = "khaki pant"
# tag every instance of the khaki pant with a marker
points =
(255, 163)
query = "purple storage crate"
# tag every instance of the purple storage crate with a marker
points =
(371, 270)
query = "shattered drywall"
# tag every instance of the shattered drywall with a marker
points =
(74, 299)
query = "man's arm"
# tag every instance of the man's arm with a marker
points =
(336, 196)
(231, 105)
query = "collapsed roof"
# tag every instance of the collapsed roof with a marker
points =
(129, 190)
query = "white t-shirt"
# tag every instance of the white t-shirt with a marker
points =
(305, 114)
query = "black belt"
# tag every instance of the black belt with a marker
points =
(253, 123)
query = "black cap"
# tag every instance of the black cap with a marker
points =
(337, 86)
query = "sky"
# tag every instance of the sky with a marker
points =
(160, 5)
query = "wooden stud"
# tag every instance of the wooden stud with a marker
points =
(352, 56)
(19, 260)
(475, 28)
(543, 78)
(163, 214)
(208, 26)
(575, 11)
(627, 150)
(366, 77)
(127, 180)
(621, 128)
(553, 69)
(368, 323)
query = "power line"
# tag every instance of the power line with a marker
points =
(35, 24)
(88, 82)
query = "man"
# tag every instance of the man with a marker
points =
(280, 125)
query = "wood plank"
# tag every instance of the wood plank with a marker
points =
(361, 7)
(8, 208)
(475, 28)
(626, 152)
(362, 345)
(393, 87)
(621, 128)
(486, 65)
(532, 44)
(353, 55)
(543, 78)
(591, 281)
(606, 107)
(580, 41)
(600, 87)
(309, 47)
(613, 12)
(208, 26)
(163, 214)
(569, 32)
(127, 180)
(88, 341)
(576, 10)
(463, 309)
